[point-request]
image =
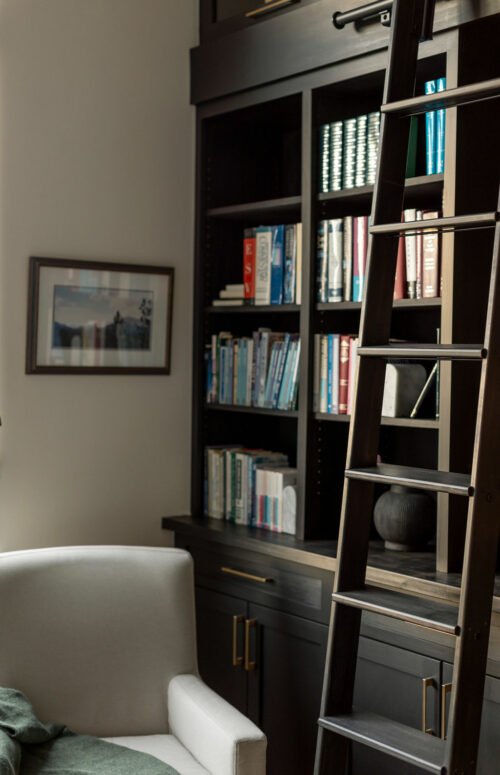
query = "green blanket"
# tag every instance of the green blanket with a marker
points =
(29, 747)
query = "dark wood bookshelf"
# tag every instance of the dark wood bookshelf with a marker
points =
(425, 185)
(290, 413)
(284, 206)
(398, 304)
(253, 309)
(396, 422)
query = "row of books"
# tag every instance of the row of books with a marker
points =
(435, 122)
(418, 268)
(250, 487)
(334, 372)
(348, 152)
(260, 371)
(272, 267)
(342, 245)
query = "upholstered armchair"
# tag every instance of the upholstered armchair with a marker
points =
(102, 639)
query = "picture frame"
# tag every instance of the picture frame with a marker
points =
(96, 317)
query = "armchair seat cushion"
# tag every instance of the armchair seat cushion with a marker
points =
(166, 748)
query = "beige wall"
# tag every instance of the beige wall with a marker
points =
(96, 162)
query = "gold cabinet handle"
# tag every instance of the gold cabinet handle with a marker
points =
(236, 659)
(426, 682)
(270, 5)
(445, 689)
(242, 575)
(248, 625)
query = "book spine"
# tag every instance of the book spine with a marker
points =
(440, 129)
(298, 271)
(329, 380)
(343, 373)
(356, 280)
(347, 258)
(349, 153)
(321, 261)
(280, 367)
(323, 406)
(285, 382)
(250, 372)
(400, 279)
(430, 132)
(418, 242)
(336, 142)
(294, 384)
(372, 143)
(361, 133)
(335, 259)
(353, 352)
(263, 359)
(316, 375)
(411, 257)
(263, 265)
(430, 258)
(360, 227)
(271, 375)
(277, 252)
(289, 273)
(324, 158)
(335, 374)
(249, 265)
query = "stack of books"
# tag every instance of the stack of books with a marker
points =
(230, 296)
(348, 152)
(342, 245)
(260, 371)
(435, 121)
(334, 372)
(272, 264)
(250, 487)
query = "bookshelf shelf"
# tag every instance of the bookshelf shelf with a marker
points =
(282, 207)
(398, 304)
(396, 422)
(251, 309)
(290, 414)
(424, 185)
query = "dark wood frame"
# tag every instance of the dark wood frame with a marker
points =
(37, 263)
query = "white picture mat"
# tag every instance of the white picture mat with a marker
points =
(47, 355)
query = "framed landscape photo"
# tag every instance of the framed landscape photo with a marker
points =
(93, 317)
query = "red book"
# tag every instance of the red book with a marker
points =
(430, 259)
(344, 373)
(249, 265)
(400, 279)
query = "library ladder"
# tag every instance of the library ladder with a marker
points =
(339, 723)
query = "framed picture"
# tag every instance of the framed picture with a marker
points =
(89, 317)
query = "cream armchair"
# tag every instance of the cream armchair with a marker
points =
(102, 639)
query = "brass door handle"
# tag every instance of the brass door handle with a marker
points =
(242, 575)
(270, 5)
(236, 659)
(445, 689)
(249, 665)
(426, 682)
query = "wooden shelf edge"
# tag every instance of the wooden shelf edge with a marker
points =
(289, 413)
(398, 304)
(253, 308)
(397, 422)
(411, 184)
(247, 208)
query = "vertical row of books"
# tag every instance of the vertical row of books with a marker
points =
(348, 152)
(334, 372)
(342, 245)
(418, 268)
(259, 371)
(254, 487)
(272, 267)
(435, 122)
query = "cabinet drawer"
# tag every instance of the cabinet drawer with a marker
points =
(273, 582)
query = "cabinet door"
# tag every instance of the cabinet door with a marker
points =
(389, 681)
(489, 741)
(284, 690)
(219, 639)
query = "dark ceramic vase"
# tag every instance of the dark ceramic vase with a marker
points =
(405, 518)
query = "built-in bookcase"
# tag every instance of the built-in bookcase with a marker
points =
(258, 161)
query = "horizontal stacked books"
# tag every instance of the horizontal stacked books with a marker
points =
(250, 487)
(435, 121)
(342, 244)
(260, 371)
(272, 264)
(334, 372)
(418, 268)
(348, 152)
(230, 296)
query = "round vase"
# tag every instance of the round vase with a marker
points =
(405, 518)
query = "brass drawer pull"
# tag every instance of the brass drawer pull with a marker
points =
(236, 659)
(426, 682)
(248, 664)
(269, 6)
(445, 689)
(242, 575)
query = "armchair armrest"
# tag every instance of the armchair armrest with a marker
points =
(221, 738)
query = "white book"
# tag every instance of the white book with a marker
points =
(347, 258)
(335, 249)
(283, 477)
(411, 256)
(263, 239)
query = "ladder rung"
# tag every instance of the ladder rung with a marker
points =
(416, 610)
(421, 478)
(390, 737)
(442, 352)
(476, 220)
(473, 92)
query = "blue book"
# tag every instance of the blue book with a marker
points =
(277, 261)
(280, 367)
(275, 351)
(440, 129)
(287, 401)
(285, 382)
(330, 375)
(241, 374)
(430, 132)
(289, 280)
